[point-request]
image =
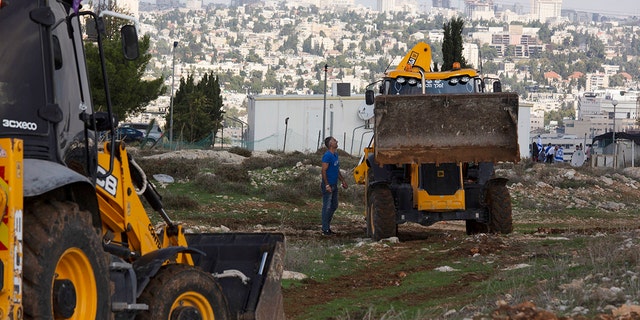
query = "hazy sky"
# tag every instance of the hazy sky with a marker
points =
(607, 7)
(612, 7)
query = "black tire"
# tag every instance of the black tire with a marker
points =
(367, 214)
(149, 142)
(475, 227)
(367, 219)
(367, 207)
(183, 289)
(62, 246)
(381, 222)
(500, 212)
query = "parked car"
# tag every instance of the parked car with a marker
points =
(128, 134)
(154, 130)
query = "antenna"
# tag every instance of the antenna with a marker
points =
(480, 58)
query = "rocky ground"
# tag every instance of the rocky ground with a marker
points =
(538, 191)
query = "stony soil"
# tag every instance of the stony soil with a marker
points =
(536, 191)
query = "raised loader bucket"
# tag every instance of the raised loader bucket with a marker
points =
(441, 128)
(249, 267)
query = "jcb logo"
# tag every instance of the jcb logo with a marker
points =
(15, 124)
(412, 58)
(109, 184)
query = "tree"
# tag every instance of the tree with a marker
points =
(129, 93)
(452, 44)
(490, 67)
(616, 80)
(197, 108)
(565, 111)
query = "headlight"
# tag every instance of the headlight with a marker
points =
(453, 81)
(412, 81)
(464, 79)
(401, 80)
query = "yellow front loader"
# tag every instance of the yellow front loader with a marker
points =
(139, 272)
(436, 138)
(215, 275)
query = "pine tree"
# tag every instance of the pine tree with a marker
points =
(452, 44)
(129, 94)
(197, 108)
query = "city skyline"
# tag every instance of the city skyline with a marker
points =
(622, 7)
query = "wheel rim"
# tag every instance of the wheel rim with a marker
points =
(76, 267)
(195, 300)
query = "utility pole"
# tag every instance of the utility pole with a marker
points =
(615, 145)
(286, 125)
(614, 103)
(173, 81)
(324, 108)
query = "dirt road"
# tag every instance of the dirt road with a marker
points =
(559, 222)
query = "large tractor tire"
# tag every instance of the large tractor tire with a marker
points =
(498, 204)
(381, 214)
(500, 212)
(475, 227)
(66, 271)
(183, 292)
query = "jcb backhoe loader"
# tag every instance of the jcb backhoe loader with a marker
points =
(75, 239)
(436, 138)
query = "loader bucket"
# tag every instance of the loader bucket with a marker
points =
(258, 257)
(441, 128)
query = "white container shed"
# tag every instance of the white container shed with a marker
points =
(344, 120)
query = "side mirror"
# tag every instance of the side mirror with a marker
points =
(497, 86)
(129, 42)
(369, 97)
(103, 123)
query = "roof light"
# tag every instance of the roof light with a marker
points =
(456, 65)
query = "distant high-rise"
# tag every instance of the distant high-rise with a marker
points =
(130, 5)
(544, 10)
(441, 3)
(479, 9)
(163, 4)
(386, 5)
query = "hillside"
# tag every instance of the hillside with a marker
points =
(574, 252)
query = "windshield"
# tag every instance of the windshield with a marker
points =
(393, 86)
(21, 72)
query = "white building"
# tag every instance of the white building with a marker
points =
(299, 119)
(132, 6)
(544, 10)
(303, 129)
(471, 54)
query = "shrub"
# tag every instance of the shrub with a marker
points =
(179, 201)
(307, 184)
(232, 173)
(240, 151)
(255, 163)
(212, 184)
(178, 168)
(208, 182)
(283, 194)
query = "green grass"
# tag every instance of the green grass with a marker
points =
(553, 265)
(571, 247)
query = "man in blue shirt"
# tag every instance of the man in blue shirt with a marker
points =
(330, 176)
